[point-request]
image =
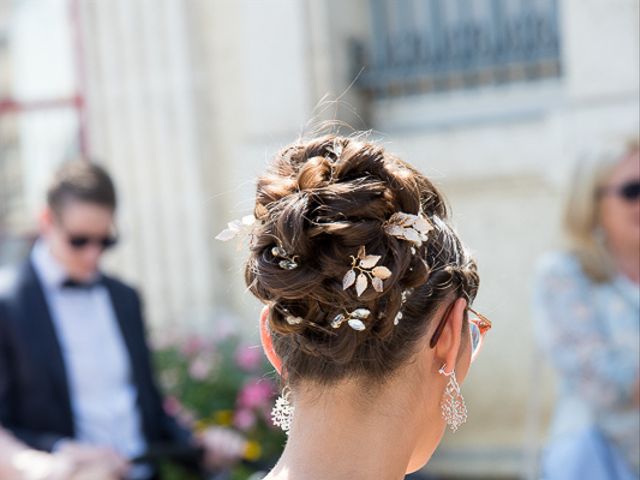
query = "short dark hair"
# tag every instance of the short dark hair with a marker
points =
(81, 180)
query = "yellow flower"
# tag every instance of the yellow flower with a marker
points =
(223, 417)
(253, 451)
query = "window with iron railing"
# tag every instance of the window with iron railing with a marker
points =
(426, 46)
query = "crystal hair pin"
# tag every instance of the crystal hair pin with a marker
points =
(366, 265)
(403, 299)
(293, 320)
(290, 318)
(354, 319)
(409, 227)
(286, 261)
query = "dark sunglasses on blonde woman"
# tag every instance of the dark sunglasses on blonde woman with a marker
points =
(629, 191)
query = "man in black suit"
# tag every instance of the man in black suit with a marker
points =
(75, 372)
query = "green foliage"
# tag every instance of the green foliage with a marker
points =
(221, 383)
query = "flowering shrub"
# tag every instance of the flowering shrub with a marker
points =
(223, 382)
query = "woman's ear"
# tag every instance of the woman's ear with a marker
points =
(448, 346)
(267, 343)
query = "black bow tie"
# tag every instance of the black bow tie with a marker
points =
(74, 284)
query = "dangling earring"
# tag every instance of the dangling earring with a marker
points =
(453, 407)
(282, 412)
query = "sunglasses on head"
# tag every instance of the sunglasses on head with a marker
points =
(81, 241)
(629, 191)
(479, 325)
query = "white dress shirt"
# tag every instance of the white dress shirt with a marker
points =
(103, 395)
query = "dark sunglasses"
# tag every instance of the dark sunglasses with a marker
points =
(81, 241)
(629, 191)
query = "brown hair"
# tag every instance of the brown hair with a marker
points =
(321, 200)
(83, 181)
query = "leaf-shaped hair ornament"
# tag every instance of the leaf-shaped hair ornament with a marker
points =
(365, 269)
(409, 227)
(243, 227)
(237, 228)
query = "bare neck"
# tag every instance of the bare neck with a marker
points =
(333, 437)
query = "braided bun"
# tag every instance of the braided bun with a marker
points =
(320, 203)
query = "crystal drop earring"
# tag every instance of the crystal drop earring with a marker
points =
(282, 412)
(453, 407)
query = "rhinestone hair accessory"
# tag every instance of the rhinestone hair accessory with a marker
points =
(409, 227)
(354, 319)
(368, 272)
(290, 318)
(405, 295)
(453, 408)
(244, 227)
(293, 320)
(287, 261)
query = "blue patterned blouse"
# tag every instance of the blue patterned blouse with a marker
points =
(591, 334)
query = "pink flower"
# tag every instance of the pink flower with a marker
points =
(248, 358)
(186, 418)
(192, 346)
(244, 419)
(200, 368)
(255, 394)
(172, 405)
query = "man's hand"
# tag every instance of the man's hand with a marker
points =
(90, 458)
(93, 472)
(222, 447)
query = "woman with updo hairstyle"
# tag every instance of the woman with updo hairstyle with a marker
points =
(367, 291)
(587, 312)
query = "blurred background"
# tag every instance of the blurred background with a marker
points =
(184, 101)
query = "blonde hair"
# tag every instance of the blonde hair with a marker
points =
(581, 224)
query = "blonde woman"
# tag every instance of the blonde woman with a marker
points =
(587, 303)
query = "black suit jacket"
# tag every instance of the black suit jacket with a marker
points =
(34, 392)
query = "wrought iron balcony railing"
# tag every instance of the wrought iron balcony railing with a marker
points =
(422, 46)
